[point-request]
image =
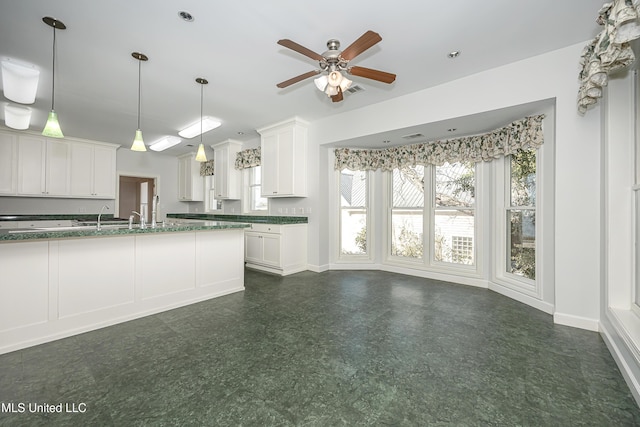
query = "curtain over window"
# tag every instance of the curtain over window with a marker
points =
(519, 135)
(248, 158)
(206, 168)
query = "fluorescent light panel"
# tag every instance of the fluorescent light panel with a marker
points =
(19, 82)
(208, 123)
(17, 117)
(165, 143)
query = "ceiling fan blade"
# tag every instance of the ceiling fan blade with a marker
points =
(369, 73)
(300, 49)
(297, 79)
(337, 97)
(365, 41)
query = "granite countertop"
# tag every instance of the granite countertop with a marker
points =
(252, 219)
(53, 217)
(12, 235)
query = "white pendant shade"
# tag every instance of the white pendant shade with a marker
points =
(17, 117)
(52, 128)
(201, 156)
(138, 143)
(321, 82)
(19, 83)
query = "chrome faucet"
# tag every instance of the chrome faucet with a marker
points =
(154, 211)
(143, 223)
(98, 227)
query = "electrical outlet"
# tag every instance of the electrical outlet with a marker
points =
(279, 210)
(301, 210)
(308, 210)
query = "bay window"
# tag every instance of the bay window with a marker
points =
(407, 212)
(354, 218)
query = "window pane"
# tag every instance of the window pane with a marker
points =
(353, 217)
(455, 184)
(406, 233)
(453, 236)
(407, 212)
(257, 203)
(523, 178)
(255, 175)
(521, 250)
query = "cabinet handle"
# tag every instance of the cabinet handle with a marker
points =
(275, 192)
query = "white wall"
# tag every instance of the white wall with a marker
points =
(577, 191)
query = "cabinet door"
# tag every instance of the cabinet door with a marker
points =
(57, 168)
(269, 165)
(221, 170)
(182, 178)
(81, 170)
(104, 176)
(8, 163)
(31, 165)
(271, 249)
(253, 247)
(286, 164)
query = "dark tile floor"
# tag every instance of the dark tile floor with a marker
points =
(337, 348)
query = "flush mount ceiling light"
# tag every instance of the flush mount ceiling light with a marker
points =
(453, 54)
(200, 155)
(201, 126)
(17, 117)
(138, 143)
(52, 128)
(186, 16)
(165, 143)
(334, 61)
(19, 82)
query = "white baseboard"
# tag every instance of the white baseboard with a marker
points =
(520, 297)
(576, 321)
(617, 354)
(318, 268)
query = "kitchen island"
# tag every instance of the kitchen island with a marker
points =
(60, 282)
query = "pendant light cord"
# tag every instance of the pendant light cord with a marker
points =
(53, 68)
(139, 88)
(201, 102)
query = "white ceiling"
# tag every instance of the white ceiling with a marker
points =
(233, 45)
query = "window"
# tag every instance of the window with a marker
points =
(521, 215)
(255, 201)
(407, 212)
(354, 189)
(454, 213)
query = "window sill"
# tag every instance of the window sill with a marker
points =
(627, 324)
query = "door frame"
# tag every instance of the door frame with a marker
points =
(156, 185)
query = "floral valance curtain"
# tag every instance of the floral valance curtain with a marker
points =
(521, 134)
(206, 168)
(610, 51)
(248, 158)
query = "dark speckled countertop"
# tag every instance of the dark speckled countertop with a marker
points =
(255, 219)
(12, 235)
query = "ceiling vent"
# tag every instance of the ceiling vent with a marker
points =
(413, 136)
(355, 89)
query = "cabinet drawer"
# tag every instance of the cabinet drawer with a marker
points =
(266, 228)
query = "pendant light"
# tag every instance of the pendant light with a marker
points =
(52, 128)
(200, 155)
(138, 143)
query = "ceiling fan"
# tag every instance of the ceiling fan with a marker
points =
(334, 61)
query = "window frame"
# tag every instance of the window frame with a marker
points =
(209, 195)
(248, 175)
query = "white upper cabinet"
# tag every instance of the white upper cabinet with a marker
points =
(284, 159)
(227, 179)
(8, 163)
(93, 169)
(43, 166)
(34, 166)
(190, 183)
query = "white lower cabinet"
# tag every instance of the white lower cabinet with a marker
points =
(276, 248)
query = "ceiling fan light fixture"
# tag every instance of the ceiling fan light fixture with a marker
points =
(321, 82)
(17, 117)
(331, 90)
(19, 82)
(345, 84)
(334, 78)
